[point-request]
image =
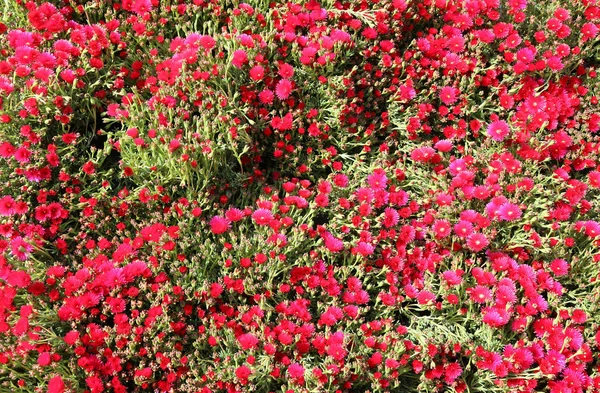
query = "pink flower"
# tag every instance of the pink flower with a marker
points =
(559, 267)
(498, 130)
(286, 71)
(332, 243)
(257, 73)
(463, 229)
(477, 242)
(391, 217)
(480, 294)
(495, 317)
(553, 363)
(452, 277)
(377, 180)
(444, 145)
(283, 89)
(448, 95)
(441, 228)
(207, 42)
(7, 206)
(266, 96)
(509, 212)
(234, 214)
(364, 249)
(141, 6)
(452, 371)
(240, 57)
(296, 371)
(248, 341)
(219, 225)
(262, 216)
(44, 359)
(341, 180)
(20, 248)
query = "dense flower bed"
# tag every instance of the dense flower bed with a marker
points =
(361, 196)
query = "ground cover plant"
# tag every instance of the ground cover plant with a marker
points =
(334, 196)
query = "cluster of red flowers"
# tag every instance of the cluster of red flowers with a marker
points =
(315, 196)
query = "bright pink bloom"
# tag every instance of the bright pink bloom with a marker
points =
(441, 228)
(377, 180)
(480, 294)
(141, 6)
(233, 214)
(283, 89)
(20, 248)
(266, 96)
(262, 216)
(7, 206)
(463, 229)
(257, 73)
(332, 243)
(286, 71)
(364, 249)
(477, 242)
(240, 57)
(296, 371)
(248, 341)
(509, 212)
(498, 130)
(448, 95)
(243, 373)
(219, 225)
(391, 217)
(559, 267)
(553, 363)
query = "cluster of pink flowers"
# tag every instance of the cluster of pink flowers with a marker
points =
(362, 196)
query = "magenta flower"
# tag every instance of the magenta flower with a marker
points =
(477, 242)
(448, 95)
(283, 89)
(509, 212)
(498, 130)
(296, 371)
(257, 73)
(219, 225)
(240, 57)
(262, 216)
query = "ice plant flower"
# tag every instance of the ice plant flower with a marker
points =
(219, 225)
(262, 216)
(498, 130)
(283, 89)
(509, 212)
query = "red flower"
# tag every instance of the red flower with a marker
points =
(266, 96)
(242, 373)
(89, 168)
(56, 385)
